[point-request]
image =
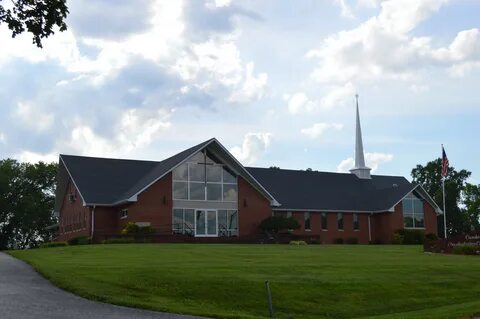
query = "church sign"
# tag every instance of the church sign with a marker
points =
(447, 245)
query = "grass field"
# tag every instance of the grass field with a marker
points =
(227, 281)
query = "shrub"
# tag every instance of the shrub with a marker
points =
(352, 240)
(466, 250)
(277, 224)
(133, 229)
(339, 241)
(53, 244)
(411, 236)
(118, 241)
(314, 242)
(397, 239)
(80, 240)
(431, 236)
(298, 242)
(375, 242)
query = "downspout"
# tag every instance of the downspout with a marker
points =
(369, 229)
(92, 227)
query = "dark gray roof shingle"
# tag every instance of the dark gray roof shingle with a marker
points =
(108, 181)
(296, 189)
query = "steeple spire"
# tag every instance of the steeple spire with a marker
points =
(360, 169)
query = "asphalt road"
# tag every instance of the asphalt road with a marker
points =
(24, 294)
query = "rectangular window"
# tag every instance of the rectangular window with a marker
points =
(413, 213)
(356, 222)
(197, 191)
(230, 193)
(123, 213)
(324, 221)
(180, 190)
(204, 181)
(340, 221)
(306, 217)
(214, 191)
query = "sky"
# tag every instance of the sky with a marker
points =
(273, 80)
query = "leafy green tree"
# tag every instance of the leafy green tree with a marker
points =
(27, 195)
(471, 201)
(39, 17)
(429, 176)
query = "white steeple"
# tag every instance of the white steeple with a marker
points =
(360, 169)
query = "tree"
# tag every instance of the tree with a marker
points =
(39, 17)
(274, 167)
(471, 201)
(27, 196)
(429, 176)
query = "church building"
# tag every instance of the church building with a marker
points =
(205, 194)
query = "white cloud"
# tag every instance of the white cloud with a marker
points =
(338, 95)
(372, 160)
(32, 157)
(252, 88)
(318, 129)
(346, 11)
(384, 48)
(253, 146)
(33, 117)
(3, 138)
(138, 128)
(300, 103)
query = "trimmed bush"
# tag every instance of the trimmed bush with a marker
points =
(466, 250)
(352, 240)
(411, 236)
(119, 241)
(53, 244)
(133, 229)
(298, 242)
(339, 241)
(431, 236)
(397, 239)
(80, 240)
(277, 224)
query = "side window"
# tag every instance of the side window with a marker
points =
(324, 221)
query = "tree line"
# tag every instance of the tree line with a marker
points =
(27, 198)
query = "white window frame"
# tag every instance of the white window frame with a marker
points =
(205, 182)
(412, 197)
(123, 213)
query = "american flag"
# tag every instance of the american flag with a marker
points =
(444, 163)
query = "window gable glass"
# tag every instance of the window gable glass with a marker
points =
(413, 212)
(324, 221)
(340, 221)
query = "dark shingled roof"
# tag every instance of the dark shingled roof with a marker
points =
(104, 181)
(109, 181)
(311, 190)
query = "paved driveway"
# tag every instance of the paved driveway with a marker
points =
(24, 294)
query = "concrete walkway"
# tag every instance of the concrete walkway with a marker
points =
(24, 294)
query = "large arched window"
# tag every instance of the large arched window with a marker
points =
(413, 214)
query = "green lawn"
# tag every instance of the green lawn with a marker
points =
(227, 281)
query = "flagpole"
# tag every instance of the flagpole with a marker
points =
(444, 210)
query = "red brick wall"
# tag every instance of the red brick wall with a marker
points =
(431, 220)
(333, 233)
(74, 219)
(253, 207)
(154, 205)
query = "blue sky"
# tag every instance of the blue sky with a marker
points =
(274, 81)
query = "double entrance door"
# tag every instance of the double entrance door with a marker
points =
(206, 223)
